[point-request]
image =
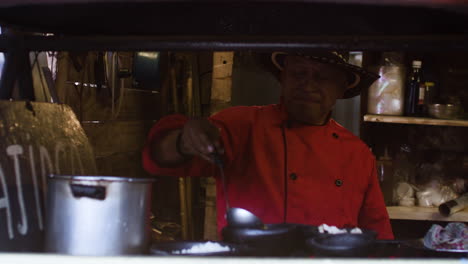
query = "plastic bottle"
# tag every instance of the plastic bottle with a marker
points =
(385, 174)
(413, 89)
(386, 95)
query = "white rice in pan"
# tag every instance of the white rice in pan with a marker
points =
(205, 248)
(324, 228)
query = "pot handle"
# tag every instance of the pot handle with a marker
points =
(94, 192)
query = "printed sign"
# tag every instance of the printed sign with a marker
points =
(36, 139)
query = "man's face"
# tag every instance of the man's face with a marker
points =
(310, 89)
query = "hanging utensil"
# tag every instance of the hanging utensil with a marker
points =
(236, 217)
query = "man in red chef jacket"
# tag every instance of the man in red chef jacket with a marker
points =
(288, 162)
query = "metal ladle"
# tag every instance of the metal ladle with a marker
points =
(236, 217)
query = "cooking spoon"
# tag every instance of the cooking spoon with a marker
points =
(236, 217)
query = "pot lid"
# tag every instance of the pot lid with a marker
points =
(100, 178)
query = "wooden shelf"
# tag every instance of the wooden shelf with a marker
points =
(424, 213)
(415, 120)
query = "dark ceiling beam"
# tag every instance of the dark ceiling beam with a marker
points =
(427, 3)
(233, 43)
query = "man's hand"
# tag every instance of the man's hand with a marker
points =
(199, 137)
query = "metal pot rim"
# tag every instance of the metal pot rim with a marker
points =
(100, 178)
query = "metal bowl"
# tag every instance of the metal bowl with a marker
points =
(443, 111)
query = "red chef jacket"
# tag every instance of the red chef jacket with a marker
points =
(287, 172)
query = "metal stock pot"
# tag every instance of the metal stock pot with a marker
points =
(98, 215)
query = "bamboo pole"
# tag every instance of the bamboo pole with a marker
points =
(220, 99)
(188, 180)
(62, 77)
(181, 183)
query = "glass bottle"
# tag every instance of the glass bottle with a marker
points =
(413, 89)
(430, 93)
(421, 107)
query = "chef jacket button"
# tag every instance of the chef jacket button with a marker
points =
(335, 135)
(293, 176)
(338, 182)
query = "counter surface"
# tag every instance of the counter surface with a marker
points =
(8, 258)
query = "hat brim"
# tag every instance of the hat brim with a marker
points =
(363, 79)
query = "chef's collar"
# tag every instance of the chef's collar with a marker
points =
(290, 123)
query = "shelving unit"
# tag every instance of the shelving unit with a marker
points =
(414, 120)
(419, 213)
(424, 213)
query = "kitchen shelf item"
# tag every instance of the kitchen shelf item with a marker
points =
(414, 120)
(424, 213)
(386, 95)
(443, 111)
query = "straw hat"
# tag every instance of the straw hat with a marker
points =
(358, 77)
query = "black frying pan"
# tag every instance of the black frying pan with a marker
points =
(274, 240)
(338, 245)
(341, 245)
